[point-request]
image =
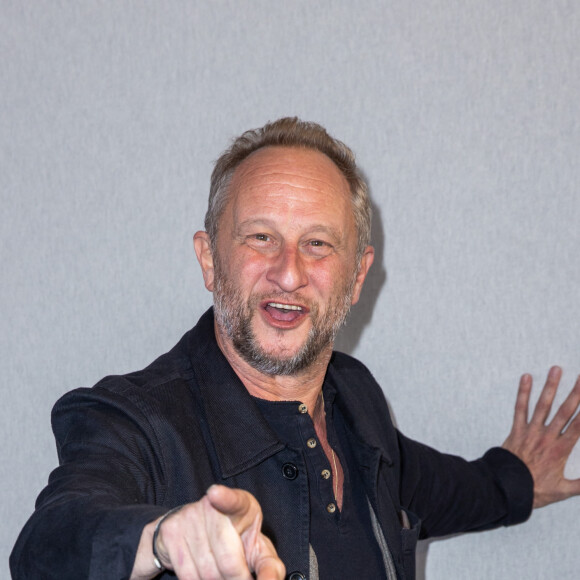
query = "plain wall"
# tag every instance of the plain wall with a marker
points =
(465, 118)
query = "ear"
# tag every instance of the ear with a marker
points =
(364, 266)
(202, 247)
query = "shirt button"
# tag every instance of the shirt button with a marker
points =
(311, 443)
(296, 576)
(303, 408)
(331, 508)
(289, 471)
(325, 474)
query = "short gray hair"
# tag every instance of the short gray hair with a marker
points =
(289, 132)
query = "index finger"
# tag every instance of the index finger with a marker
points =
(567, 410)
(266, 563)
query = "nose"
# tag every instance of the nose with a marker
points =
(288, 270)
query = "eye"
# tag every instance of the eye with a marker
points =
(258, 238)
(318, 248)
(260, 241)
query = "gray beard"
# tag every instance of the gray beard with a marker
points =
(234, 317)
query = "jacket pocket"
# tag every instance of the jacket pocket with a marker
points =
(411, 525)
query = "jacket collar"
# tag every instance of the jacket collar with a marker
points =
(241, 435)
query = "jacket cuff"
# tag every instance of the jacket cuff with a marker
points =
(117, 538)
(515, 480)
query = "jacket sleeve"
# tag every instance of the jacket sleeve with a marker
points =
(451, 495)
(447, 493)
(88, 520)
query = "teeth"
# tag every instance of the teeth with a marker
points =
(284, 306)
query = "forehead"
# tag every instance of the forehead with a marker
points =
(292, 177)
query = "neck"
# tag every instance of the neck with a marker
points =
(305, 386)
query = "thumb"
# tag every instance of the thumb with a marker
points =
(245, 513)
(239, 505)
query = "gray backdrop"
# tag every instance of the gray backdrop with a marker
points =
(466, 121)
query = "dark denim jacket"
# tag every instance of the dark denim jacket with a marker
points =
(134, 446)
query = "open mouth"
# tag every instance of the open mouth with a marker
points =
(281, 312)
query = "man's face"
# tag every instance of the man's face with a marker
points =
(284, 267)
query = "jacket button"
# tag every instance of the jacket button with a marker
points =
(302, 408)
(331, 508)
(325, 473)
(311, 443)
(289, 471)
(296, 576)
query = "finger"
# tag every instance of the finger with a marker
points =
(567, 409)
(227, 549)
(544, 404)
(570, 488)
(239, 505)
(265, 561)
(572, 433)
(523, 402)
(245, 518)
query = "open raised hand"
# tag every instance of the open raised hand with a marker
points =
(545, 447)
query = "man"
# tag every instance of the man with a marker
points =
(251, 447)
